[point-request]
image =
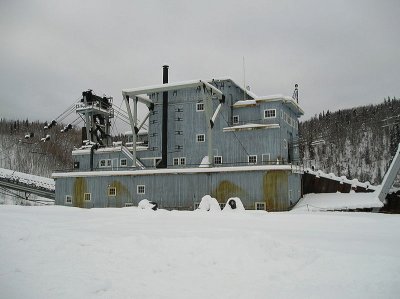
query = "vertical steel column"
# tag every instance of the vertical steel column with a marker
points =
(164, 160)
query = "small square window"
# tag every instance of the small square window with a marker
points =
(176, 161)
(270, 113)
(236, 119)
(252, 159)
(260, 206)
(200, 137)
(123, 162)
(102, 163)
(183, 161)
(68, 199)
(109, 163)
(141, 189)
(200, 106)
(87, 196)
(266, 158)
(217, 159)
(112, 191)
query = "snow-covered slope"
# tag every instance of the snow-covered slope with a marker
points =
(60, 252)
(28, 179)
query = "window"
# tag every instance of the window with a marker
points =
(284, 143)
(266, 158)
(252, 159)
(87, 196)
(141, 189)
(222, 205)
(68, 199)
(179, 161)
(236, 119)
(128, 204)
(112, 191)
(200, 106)
(217, 159)
(109, 163)
(103, 163)
(122, 162)
(200, 137)
(196, 205)
(270, 113)
(260, 206)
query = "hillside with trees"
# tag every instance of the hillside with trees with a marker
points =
(33, 155)
(357, 143)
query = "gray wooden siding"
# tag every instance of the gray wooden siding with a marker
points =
(181, 191)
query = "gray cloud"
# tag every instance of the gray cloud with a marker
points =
(341, 53)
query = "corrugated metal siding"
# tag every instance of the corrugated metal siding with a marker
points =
(181, 191)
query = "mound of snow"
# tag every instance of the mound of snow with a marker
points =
(209, 203)
(147, 205)
(234, 203)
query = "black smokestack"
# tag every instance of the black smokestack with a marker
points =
(163, 163)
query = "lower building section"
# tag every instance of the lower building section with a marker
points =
(271, 190)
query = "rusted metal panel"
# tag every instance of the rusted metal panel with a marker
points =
(275, 188)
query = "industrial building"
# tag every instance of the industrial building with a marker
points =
(203, 137)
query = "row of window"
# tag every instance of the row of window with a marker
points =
(271, 113)
(111, 191)
(179, 161)
(108, 163)
(251, 159)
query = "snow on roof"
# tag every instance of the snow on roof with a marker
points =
(28, 179)
(138, 172)
(271, 98)
(337, 201)
(248, 92)
(286, 99)
(245, 103)
(251, 126)
(354, 182)
(145, 89)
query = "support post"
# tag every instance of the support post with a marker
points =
(390, 176)
(132, 123)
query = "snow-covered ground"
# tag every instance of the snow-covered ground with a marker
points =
(63, 252)
(338, 201)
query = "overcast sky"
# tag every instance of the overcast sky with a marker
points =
(341, 53)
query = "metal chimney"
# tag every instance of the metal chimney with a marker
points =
(164, 160)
